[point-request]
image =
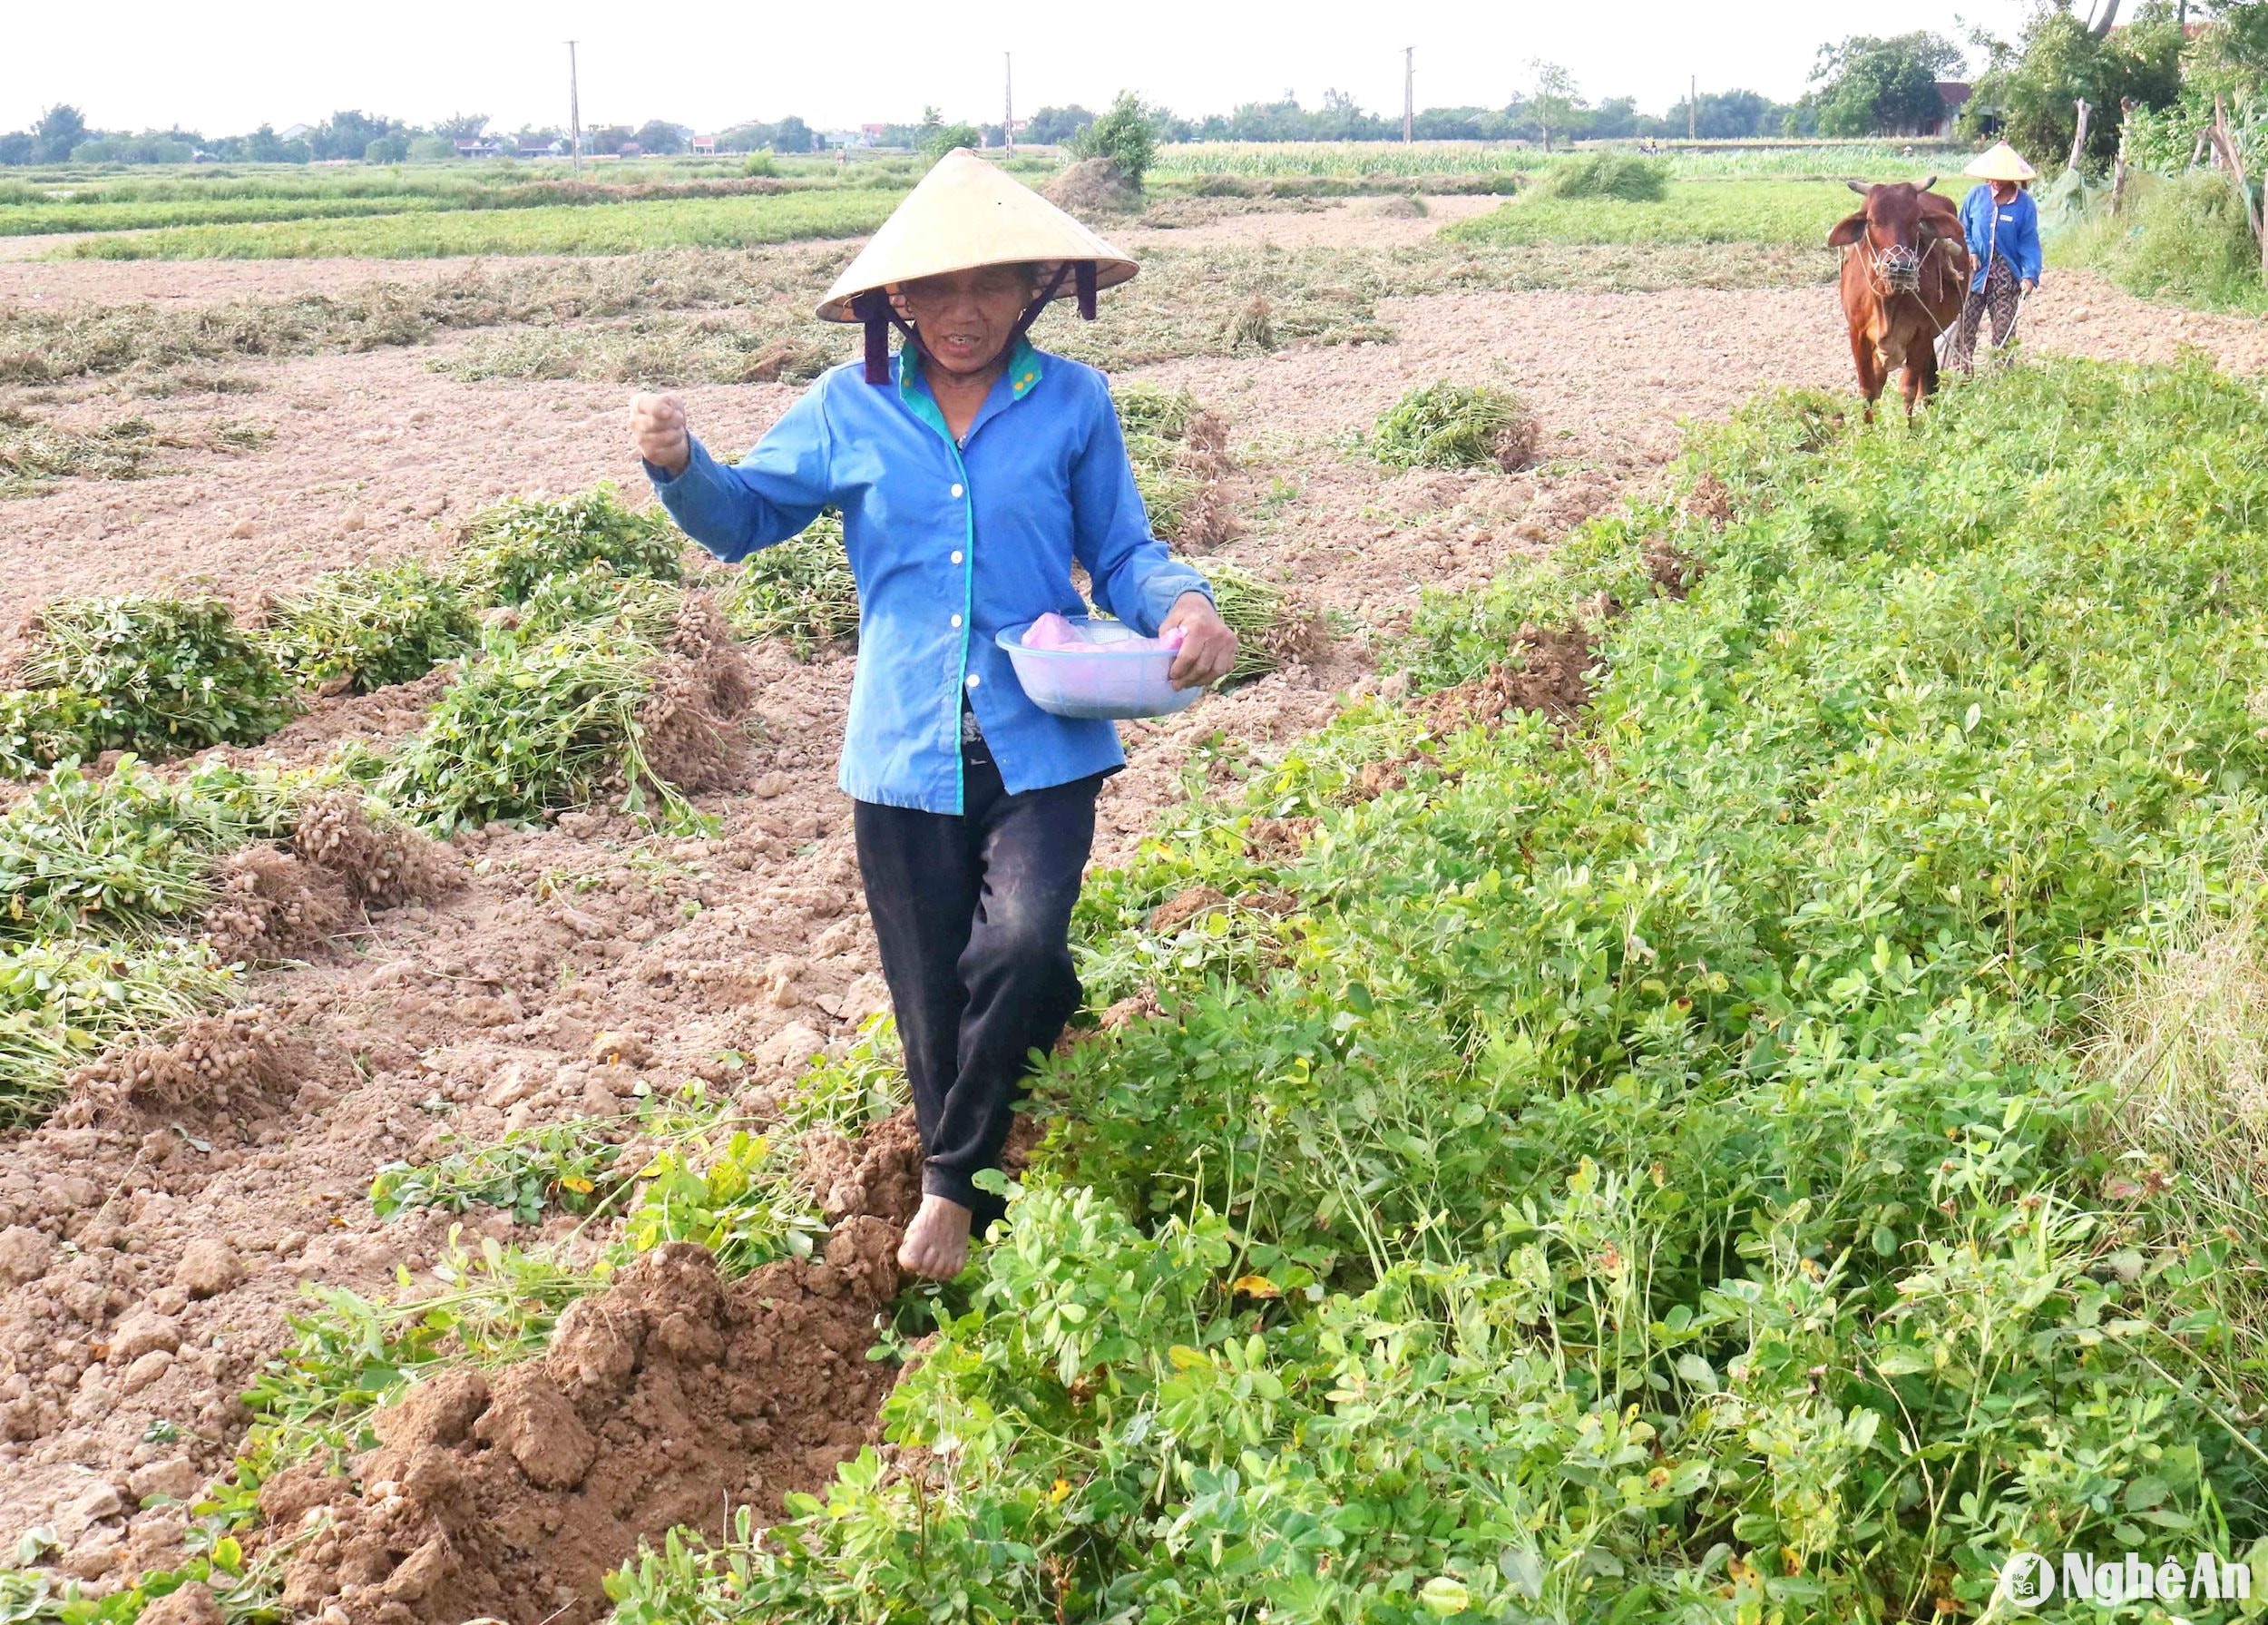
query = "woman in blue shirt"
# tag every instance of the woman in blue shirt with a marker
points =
(972, 472)
(2001, 222)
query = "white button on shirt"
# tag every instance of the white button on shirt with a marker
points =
(972, 680)
(957, 490)
(956, 555)
(956, 619)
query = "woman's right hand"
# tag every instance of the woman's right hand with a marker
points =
(656, 423)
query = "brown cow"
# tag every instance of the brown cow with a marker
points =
(1905, 273)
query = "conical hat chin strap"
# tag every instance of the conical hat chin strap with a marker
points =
(874, 310)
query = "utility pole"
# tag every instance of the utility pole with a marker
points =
(1409, 95)
(1692, 106)
(1008, 97)
(574, 108)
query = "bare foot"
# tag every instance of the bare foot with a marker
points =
(936, 1243)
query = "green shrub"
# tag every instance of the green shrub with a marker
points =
(164, 676)
(2186, 239)
(801, 591)
(1124, 134)
(1607, 174)
(512, 546)
(760, 163)
(370, 626)
(1455, 425)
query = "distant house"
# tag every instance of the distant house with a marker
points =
(1953, 96)
(294, 133)
(479, 146)
(850, 138)
(704, 143)
(556, 149)
(874, 134)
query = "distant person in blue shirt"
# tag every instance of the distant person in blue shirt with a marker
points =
(973, 473)
(2001, 222)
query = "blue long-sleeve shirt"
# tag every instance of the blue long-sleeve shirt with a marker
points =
(2009, 231)
(950, 544)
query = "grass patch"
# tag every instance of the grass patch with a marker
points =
(737, 222)
(1791, 214)
(41, 346)
(774, 345)
(1455, 426)
(34, 452)
(1607, 174)
(2185, 241)
(1662, 1154)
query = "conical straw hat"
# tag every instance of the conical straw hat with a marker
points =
(967, 214)
(2003, 162)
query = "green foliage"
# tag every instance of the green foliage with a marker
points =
(1125, 134)
(1605, 173)
(801, 591)
(596, 227)
(570, 1166)
(513, 546)
(539, 723)
(41, 726)
(62, 1003)
(639, 604)
(1879, 86)
(1270, 625)
(1647, 1174)
(369, 626)
(112, 856)
(944, 138)
(2032, 86)
(2184, 239)
(163, 676)
(762, 161)
(1455, 425)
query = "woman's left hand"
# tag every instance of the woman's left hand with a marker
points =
(1207, 647)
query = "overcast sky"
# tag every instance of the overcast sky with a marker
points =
(226, 67)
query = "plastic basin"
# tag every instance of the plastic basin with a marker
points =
(1099, 681)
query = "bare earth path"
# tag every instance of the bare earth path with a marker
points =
(481, 1012)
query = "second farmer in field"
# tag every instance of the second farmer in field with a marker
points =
(971, 471)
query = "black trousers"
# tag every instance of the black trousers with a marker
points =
(973, 916)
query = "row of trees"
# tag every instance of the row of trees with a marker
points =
(62, 135)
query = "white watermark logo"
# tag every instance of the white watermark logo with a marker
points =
(2031, 1579)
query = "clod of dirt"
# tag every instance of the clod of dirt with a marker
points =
(176, 1478)
(1270, 839)
(701, 684)
(383, 864)
(879, 1174)
(145, 1331)
(209, 1267)
(1093, 186)
(211, 1061)
(1710, 500)
(1185, 906)
(25, 1255)
(192, 1604)
(1133, 1008)
(271, 905)
(659, 1405)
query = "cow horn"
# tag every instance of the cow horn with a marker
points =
(1927, 184)
(1860, 187)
